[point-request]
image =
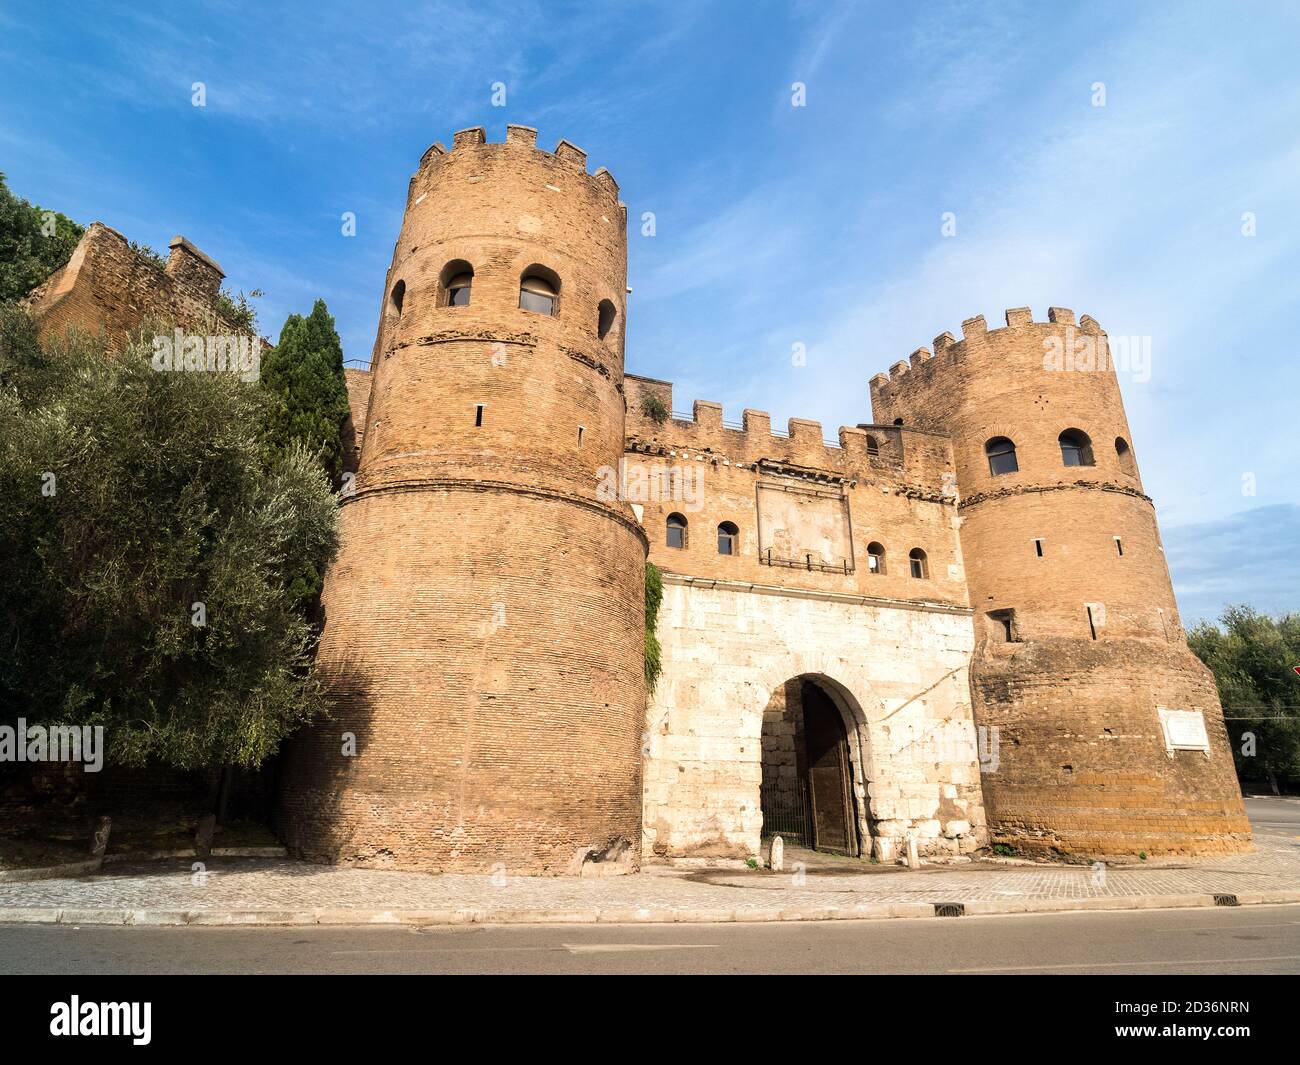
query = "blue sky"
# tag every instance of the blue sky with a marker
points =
(775, 225)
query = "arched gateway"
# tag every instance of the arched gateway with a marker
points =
(811, 787)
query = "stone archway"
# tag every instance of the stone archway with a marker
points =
(812, 776)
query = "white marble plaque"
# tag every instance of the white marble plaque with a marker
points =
(1184, 730)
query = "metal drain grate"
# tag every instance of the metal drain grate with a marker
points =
(950, 909)
(1226, 900)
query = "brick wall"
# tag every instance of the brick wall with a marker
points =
(106, 287)
(485, 616)
(1097, 645)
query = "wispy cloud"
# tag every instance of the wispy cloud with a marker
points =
(1246, 558)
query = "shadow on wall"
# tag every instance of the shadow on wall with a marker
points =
(317, 764)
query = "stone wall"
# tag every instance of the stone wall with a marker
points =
(898, 673)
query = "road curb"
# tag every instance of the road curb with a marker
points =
(289, 918)
(50, 872)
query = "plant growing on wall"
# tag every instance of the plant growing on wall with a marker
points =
(236, 308)
(653, 408)
(654, 595)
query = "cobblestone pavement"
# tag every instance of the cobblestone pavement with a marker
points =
(281, 885)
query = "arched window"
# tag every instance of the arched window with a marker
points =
(917, 560)
(455, 282)
(397, 296)
(875, 558)
(539, 290)
(873, 446)
(676, 531)
(898, 421)
(1076, 448)
(728, 539)
(606, 313)
(1002, 456)
(1126, 462)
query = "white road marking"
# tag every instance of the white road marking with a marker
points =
(1124, 964)
(614, 948)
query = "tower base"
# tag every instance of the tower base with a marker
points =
(1074, 758)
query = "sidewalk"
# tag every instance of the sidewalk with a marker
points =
(282, 892)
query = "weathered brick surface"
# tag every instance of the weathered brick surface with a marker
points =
(107, 288)
(354, 429)
(1083, 766)
(485, 616)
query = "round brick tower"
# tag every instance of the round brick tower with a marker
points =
(1080, 656)
(485, 616)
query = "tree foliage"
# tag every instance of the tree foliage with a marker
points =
(1252, 657)
(303, 377)
(150, 541)
(33, 244)
(307, 405)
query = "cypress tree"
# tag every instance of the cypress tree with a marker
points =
(303, 376)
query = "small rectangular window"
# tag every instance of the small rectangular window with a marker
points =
(1038, 547)
(1002, 626)
(478, 415)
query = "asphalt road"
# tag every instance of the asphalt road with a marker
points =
(1256, 939)
(1274, 816)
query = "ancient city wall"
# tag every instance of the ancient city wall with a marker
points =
(898, 675)
(485, 616)
(107, 287)
(1079, 648)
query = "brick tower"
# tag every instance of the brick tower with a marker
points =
(485, 616)
(1080, 656)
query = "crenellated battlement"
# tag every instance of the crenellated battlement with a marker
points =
(473, 138)
(860, 452)
(922, 364)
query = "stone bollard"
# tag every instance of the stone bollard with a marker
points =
(99, 837)
(203, 837)
(913, 856)
(776, 856)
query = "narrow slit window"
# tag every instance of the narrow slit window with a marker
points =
(1092, 623)
(1119, 546)
(1038, 548)
(580, 432)
(478, 416)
